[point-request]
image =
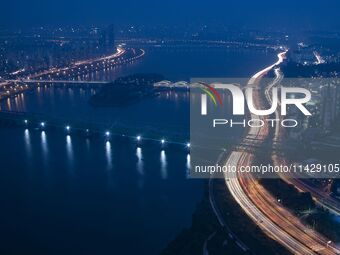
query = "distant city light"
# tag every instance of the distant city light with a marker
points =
(139, 138)
(107, 133)
(68, 128)
(26, 121)
(162, 141)
(188, 145)
(42, 124)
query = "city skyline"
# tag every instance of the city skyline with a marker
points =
(170, 128)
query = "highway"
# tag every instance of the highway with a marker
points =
(221, 220)
(320, 197)
(275, 220)
(269, 226)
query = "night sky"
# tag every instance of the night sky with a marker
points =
(273, 13)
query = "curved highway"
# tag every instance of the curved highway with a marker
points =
(276, 221)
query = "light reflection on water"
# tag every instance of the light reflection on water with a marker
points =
(164, 172)
(118, 213)
(8, 104)
(28, 145)
(44, 147)
(140, 168)
(108, 152)
(188, 165)
(69, 151)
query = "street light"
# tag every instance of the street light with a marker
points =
(162, 141)
(139, 138)
(188, 145)
(42, 124)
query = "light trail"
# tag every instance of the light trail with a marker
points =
(320, 197)
(276, 221)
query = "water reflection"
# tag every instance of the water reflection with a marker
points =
(188, 165)
(140, 167)
(69, 150)
(9, 105)
(164, 171)
(108, 152)
(44, 147)
(71, 94)
(23, 103)
(44, 142)
(87, 144)
(28, 145)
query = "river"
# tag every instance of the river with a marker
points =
(63, 193)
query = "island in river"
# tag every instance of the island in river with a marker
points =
(127, 90)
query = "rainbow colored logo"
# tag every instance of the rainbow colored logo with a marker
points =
(213, 94)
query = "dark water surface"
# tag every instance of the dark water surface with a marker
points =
(66, 194)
